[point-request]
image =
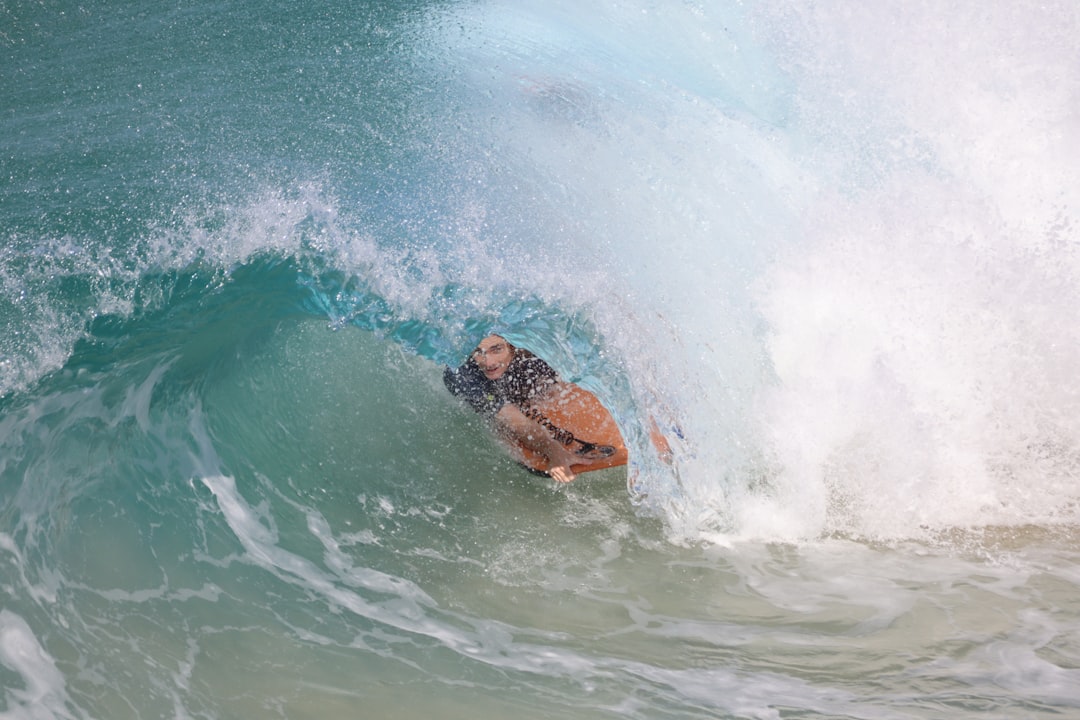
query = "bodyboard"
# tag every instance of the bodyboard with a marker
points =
(574, 417)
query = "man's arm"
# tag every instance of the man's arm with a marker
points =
(513, 423)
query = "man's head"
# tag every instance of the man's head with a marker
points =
(493, 356)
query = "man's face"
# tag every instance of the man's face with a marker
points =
(493, 355)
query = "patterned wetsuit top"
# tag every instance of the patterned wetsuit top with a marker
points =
(526, 377)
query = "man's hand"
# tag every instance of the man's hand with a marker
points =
(561, 473)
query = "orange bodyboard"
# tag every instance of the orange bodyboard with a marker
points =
(574, 410)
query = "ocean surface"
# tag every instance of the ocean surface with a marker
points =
(831, 249)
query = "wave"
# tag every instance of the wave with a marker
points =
(830, 249)
(854, 294)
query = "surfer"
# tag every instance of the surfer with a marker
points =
(501, 381)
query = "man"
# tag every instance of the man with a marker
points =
(499, 381)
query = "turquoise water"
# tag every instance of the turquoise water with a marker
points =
(835, 246)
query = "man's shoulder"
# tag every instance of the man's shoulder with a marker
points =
(529, 365)
(527, 377)
(464, 379)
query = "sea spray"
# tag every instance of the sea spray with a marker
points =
(923, 327)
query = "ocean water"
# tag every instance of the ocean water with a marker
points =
(830, 248)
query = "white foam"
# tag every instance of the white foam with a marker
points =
(43, 695)
(924, 330)
(260, 544)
